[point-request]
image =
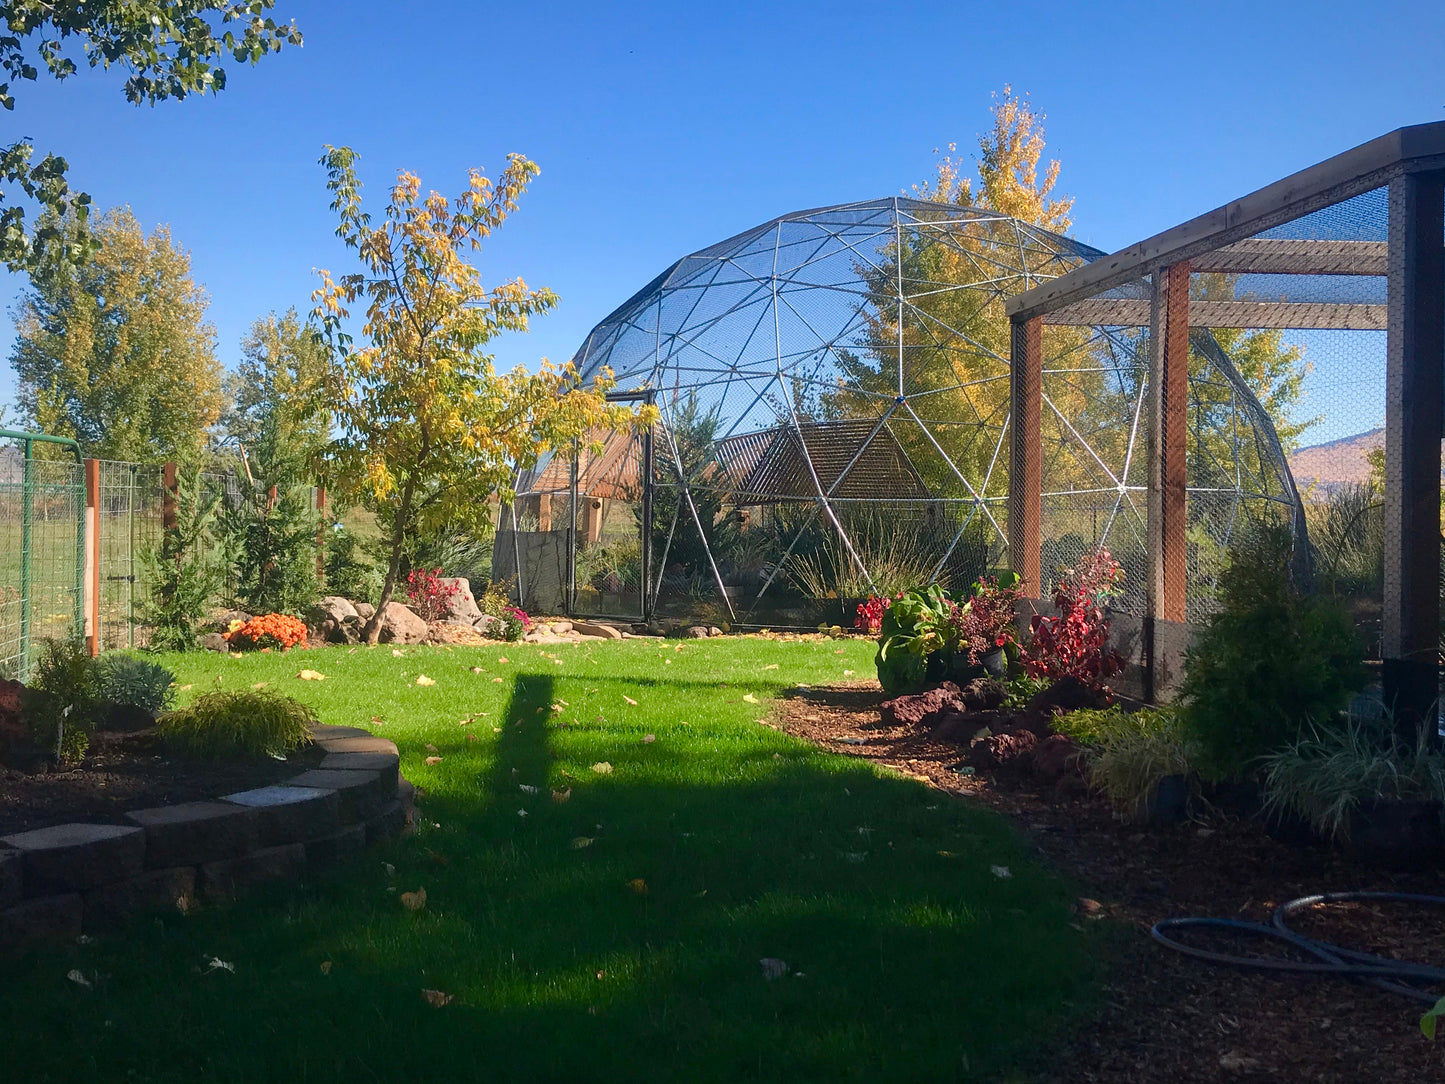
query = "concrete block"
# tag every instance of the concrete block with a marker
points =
(386, 823)
(357, 745)
(193, 832)
(291, 814)
(329, 730)
(46, 918)
(12, 880)
(361, 793)
(221, 880)
(337, 847)
(154, 890)
(387, 764)
(76, 857)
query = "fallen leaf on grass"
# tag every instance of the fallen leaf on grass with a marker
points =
(430, 748)
(183, 688)
(396, 653)
(433, 761)
(560, 796)
(216, 964)
(638, 885)
(79, 979)
(502, 659)
(581, 842)
(326, 967)
(1003, 873)
(496, 681)
(414, 901)
(847, 673)
(436, 999)
(478, 670)
(773, 968)
(422, 679)
(260, 684)
(749, 698)
(946, 854)
(602, 768)
(630, 700)
(526, 788)
(648, 739)
(771, 666)
(311, 675)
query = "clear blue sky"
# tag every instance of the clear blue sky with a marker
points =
(661, 128)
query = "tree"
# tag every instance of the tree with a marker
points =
(116, 352)
(427, 428)
(169, 48)
(283, 367)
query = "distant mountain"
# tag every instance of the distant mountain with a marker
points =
(1329, 466)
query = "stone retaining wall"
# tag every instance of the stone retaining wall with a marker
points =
(80, 878)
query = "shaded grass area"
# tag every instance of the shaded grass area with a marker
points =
(632, 957)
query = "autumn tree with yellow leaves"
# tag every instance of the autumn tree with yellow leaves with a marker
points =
(426, 427)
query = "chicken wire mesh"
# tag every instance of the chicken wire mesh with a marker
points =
(834, 395)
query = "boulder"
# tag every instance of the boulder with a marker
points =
(695, 632)
(561, 628)
(713, 630)
(1055, 757)
(453, 632)
(983, 694)
(220, 620)
(364, 610)
(401, 625)
(1000, 750)
(592, 628)
(923, 709)
(214, 641)
(490, 628)
(461, 607)
(341, 632)
(332, 607)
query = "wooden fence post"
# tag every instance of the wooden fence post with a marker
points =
(92, 556)
(170, 498)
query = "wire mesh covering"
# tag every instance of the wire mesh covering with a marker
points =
(834, 397)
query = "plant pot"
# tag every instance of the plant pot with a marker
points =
(1168, 804)
(1398, 833)
(995, 663)
(125, 719)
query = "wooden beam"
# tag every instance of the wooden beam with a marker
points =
(1414, 372)
(1173, 475)
(1366, 167)
(1132, 312)
(1025, 479)
(92, 557)
(1269, 256)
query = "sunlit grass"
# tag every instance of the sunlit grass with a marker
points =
(615, 935)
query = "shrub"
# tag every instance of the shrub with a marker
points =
(133, 682)
(985, 622)
(1131, 753)
(428, 595)
(268, 630)
(870, 615)
(229, 725)
(1075, 641)
(350, 572)
(181, 575)
(1328, 773)
(1023, 687)
(61, 701)
(1268, 663)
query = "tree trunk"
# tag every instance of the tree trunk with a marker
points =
(372, 632)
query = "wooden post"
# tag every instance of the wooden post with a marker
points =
(1168, 474)
(1414, 375)
(1025, 479)
(169, 498)
(92, 556)
(544, 512)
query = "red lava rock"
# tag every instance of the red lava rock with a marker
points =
(924, 709)
(983, 694)
(1063, 696)
(1000, 750)
(1056, 756)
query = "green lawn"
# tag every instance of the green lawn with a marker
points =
(911, 959)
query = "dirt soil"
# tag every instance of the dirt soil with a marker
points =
(1167, 1017)
(122, 772)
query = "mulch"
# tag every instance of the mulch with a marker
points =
(1167, 1017)
(122, 772)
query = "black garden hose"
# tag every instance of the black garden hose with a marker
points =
(1396, 976)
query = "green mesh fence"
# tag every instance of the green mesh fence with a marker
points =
(129, 506)
(42, 505)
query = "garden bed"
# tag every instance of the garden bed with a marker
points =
(1169, 1017)
(122, 772)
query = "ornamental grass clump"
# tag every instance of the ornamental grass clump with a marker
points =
(238, 725)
